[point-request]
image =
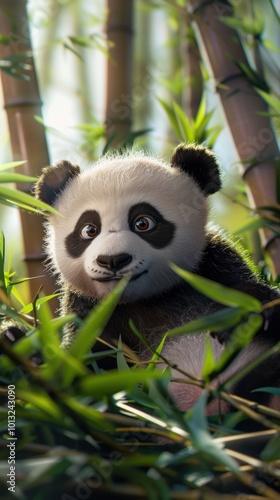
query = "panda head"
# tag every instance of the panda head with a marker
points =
(128, 216)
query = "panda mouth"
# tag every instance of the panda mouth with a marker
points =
(118, 278)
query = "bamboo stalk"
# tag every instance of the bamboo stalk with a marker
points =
(28, 141)
(252, 134)
(193, 92)
(119, 68)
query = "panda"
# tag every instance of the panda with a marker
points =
(131, 215)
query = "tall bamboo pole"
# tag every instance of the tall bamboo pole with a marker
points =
(251, 132)
(193, 92)
(119, 68)
(28, 141)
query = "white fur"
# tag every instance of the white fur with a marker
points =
(188, 353)
(111, 187)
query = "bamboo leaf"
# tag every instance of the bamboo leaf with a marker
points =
(209, 360)
(187, 129)
(89, 413)
(172, 117)
(201, 112)
(109, 142)
(253, 224)
(24, 199)
(223, 319)
(270, 46)
(7, 166)
(201, 130)
(240, 337)
(129, 139)
(271, 100)
(110, 383)
(40, 399)
(253, 76)
(95, 322)
(202, 439)
(272, 450)
(16, 178)
(29, 307)
(253, 26)
(2, 263)
(218, 292)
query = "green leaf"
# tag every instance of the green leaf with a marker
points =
(24, 199)
(128, 140)
(222, 319)
(218, 292)
(7, 166)
(29, 307)
(156, 356)
(277, 172)
(269, 390)
(209, 360)
(202, 439)
(187, 129)
(121, 361)
(16, 178)
(60, 366)
(253, 224)
(109, 142)
(253, 26)
(40, 399)
(172, 117)
(271, 451)
(2, 263)
(95, 322)
(97, 419)
(270, 46)
(239, 338)
(111, 382)
(201, 112)
(271, 100)
(253, 76)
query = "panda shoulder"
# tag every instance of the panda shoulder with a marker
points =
(225, 260)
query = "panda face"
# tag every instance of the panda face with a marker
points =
(127, 216)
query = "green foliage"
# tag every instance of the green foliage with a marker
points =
(13, 198)
(120, 432)
(191, 130)
(17, 65)
(253, 26)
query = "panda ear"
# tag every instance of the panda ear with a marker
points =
(201, 164)
(54, 179)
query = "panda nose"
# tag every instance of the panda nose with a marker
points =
(114, 262)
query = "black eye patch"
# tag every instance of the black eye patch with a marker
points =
(75, 245)
(161, 234)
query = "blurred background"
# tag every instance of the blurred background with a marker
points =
(150, 73)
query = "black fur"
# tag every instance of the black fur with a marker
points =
(163, 232)
(201, 164)
(220, 262)
(74, 244)
(54, 179)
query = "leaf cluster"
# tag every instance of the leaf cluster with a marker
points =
(119, 434)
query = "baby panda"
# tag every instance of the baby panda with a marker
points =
(131, 215)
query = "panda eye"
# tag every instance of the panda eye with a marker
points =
(144, 223)
(89, 232)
